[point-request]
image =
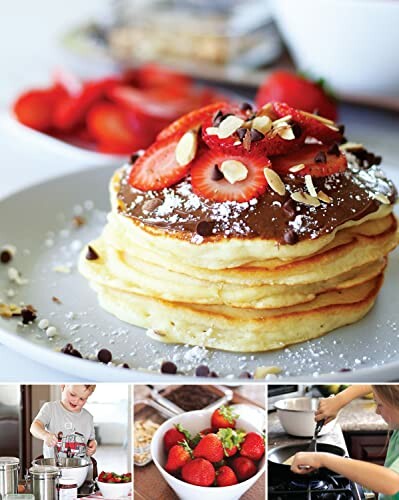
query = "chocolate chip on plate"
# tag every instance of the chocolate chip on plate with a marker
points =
(202, 371)
(91, 253)
(104, 356)
(28, 314)
(125, 365)
(67, 348)
(289, 208)
(213, 375)
(71, 351)
(168, 367)
(204, 228)
(290, 237)
(5, 256)
(245, 375)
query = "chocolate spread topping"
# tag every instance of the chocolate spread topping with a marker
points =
(270, 216)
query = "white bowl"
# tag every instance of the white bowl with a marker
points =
(195, 421)
(114, 490)
(350, 43)
(296, 415)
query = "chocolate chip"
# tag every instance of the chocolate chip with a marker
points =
(104, 356)
(341, 129)
(133, 158)
(343, 140)
(202, 371)
(289, 208)
(241, 132)
(75, 353)
(217, 118)
(256, 135)
(377, 160)
(168, 367)
(321, 157)
(217, 175)
(334, 150)
(296, 130)
(67, 348)
(345, 370)
(245, 375)
(151, 205)
(91, 253)
(290, 237)
(5, 256)
(213, 375)
(28, 314)
(125, 365)
(245, 106)
(204, 228)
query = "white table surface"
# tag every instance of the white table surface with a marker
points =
(29, 51)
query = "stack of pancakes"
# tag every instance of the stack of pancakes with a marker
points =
(226, 275)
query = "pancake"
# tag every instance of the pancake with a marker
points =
(229, 275)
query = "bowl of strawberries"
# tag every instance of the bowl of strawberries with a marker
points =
(200, 452)
(112, 485)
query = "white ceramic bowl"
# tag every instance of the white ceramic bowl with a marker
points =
(114, 490)
(296, 415)
(350, 43)
(195, 421)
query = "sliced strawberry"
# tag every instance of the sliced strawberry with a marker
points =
(116, 129)
(158, 168)
(312, 126)
(318, 161)
(153, 75)
(213, 120)
(191, 120)
(207, 181)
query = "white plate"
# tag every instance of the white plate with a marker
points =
(38, 222)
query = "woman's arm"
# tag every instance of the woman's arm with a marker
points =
(329, 407)
(38, 430)
(374, 477)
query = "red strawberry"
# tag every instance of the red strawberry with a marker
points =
(312, 126)
(117, 128)
(178, 455)
(199, 472)
(191, 120)
(153, 75)
(225, 476)
(223, 417)
(158, 167)
(244, 468)
(207, 181)
(231, 440)
(213, 120)
(210, 447)
(35, 108)
(253, 446)
(319, 161)
(175, 435)
(298, 92)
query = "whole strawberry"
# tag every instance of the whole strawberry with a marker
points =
(253, 446)
(175, 435)
(225, 476)
(231, 440)
(199, 472)
(223, 417)
(178, 456)
(244, 468)
(209, 447)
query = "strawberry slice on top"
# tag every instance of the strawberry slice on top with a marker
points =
(225, 113)
(220, 176)
(191, 120)
(314, 159)
(158, 167)
(315, 126)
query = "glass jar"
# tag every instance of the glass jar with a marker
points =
(67, 489)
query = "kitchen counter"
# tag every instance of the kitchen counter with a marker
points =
(360, 416)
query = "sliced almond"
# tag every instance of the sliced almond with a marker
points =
(332, 127)
(309, 185)
(382, 198)
(229, 125)
(262, 123)
(274, 181)
(234, 171)
(237, 143)
(351, 146)
(262, 371)
(286, 133)
(212, 131)
(326, 121)
(282, 120)
(266, 110)
(305, 198)
(324, 197)
(186, 148)
(9, 310)
(297, 168)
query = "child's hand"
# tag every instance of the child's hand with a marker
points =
(91, 447)
(50, 440)
(328, 409)
(306, 462)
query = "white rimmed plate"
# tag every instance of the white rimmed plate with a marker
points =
(38, 220)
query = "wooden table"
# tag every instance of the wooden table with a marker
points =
(150, 485)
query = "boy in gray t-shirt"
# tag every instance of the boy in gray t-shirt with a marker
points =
(66, 424)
